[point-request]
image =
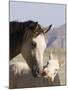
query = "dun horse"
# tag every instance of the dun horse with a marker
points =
(28, 38)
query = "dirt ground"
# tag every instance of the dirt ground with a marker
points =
(28, 81)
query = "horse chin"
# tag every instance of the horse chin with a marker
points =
(34, 73)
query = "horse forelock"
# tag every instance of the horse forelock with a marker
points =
(30, 33)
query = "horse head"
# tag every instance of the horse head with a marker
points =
(28, 38)
(52, 67)
(34, 46)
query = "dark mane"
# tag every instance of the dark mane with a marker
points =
(16, 26)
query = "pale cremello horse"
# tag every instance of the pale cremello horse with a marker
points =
(51, 69)
(27, 38)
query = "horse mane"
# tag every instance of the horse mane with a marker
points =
(23, 29)
(16, 26)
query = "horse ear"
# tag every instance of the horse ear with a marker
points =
(47, 28)
(61, 62)
(51, 55)
(36, 24)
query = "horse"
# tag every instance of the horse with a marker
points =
(51, 69)
(28, 38)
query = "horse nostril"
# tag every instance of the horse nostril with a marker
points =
(37, 71)
(33, 44)
(43, 73)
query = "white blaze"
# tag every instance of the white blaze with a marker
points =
(39, 50)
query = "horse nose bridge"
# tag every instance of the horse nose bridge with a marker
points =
(39, 58)
(39, 53)
(41, 47)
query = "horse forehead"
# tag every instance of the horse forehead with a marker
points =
(53, 64)
(39, 38)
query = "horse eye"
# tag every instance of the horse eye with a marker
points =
(33, 44)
